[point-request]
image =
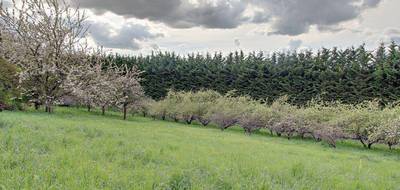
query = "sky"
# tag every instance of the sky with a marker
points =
(186, 26)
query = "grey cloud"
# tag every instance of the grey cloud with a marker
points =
(260, 17)
(175, 13)
(371, 3)
(294, 17)
(127, 37)
(288, 17)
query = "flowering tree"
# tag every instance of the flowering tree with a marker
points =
(93, 82)
(42, 37)
(128, 89)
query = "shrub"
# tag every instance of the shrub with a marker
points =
(280, 110)
(363, 122)
(227, 110)
(8, 86)
(254, 117)
(168, 107)
(328, 133)
(186, 107)
(203, 100)
(158, 109)
(143, 106)
(172, 102)
(389, 133)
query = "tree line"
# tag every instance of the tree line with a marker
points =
(351, 75)
(366, 122)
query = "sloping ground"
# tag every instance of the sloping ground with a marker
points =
(73, 149)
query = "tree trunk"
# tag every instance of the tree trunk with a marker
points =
(48, 109)
(204, 123)
(370, 145)
(362, 142)
(125, 111)
(103, 110)
(37, 106)
(89, 108)
(189, 121)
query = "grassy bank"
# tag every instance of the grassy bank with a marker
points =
(73, 149)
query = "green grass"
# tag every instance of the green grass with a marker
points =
(73, 149)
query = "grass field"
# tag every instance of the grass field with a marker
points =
(74, 149)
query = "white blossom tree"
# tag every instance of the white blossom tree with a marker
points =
(43, 38)
(128, 87)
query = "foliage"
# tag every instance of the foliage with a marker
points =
(351, 75)
(227, 110)
(255, 116)
(8, 84)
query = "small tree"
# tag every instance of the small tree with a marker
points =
(227, 110)
(280, 110)
(363, 122)
(329, 133)
(389, 133)
(255, 117)
(203, 101)
(83, 84)
(144, 106)
(128, 89)
(172, 104)
(186, 108)
(158, 109)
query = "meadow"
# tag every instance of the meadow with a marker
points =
(75, 149)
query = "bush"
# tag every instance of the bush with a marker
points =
(203, 100)
(329, 133)
(281, 110)
(172, 103)
(186, 107)
(287, 125)
(158, 109)
(363, 123)
(8, 86)
(144, 106)
(227, 110)
(254, 117)
(389, 133)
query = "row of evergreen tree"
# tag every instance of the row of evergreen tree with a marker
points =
(352, 75)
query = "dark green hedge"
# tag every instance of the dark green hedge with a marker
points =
(351, 75)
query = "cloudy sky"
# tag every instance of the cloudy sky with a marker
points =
(140, 26)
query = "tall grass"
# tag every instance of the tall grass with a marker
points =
(73, 149)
